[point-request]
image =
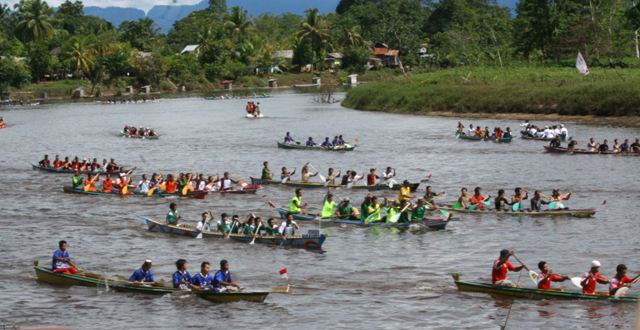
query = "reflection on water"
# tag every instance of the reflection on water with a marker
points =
(368, 277)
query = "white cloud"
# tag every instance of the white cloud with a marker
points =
(142, 4)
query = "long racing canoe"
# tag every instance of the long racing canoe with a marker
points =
(191, 194)
(140, 137)
(431, 223)
(300, 146)
(561, 150)
(67, 171)
(312, 240)
(320, 185)
(463, 136)
(525, 136)
(532, 293)
(578, 213)
(45, 275)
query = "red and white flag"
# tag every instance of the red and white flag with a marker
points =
(283, 273)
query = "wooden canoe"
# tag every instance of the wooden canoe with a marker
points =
(434, 223)
(310, 241)
(532, 293)
(67, 171)
(300, 146)
(578, 213)
(525, 136)
(320, 185)
(144, 137)
(191, 194)
(463, 136)
(561, 150)
(45, 275)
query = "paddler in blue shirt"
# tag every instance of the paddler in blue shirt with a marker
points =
(181, 278)
(327, 144)
(311, 143)
(143, 274)
(288, 139)
(222, 279)
(202, 280)
(61, 262)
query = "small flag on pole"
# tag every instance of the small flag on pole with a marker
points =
(283, 273)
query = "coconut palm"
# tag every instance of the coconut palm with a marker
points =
(81, 55)
(237, 21)
(34, 20)
(316, 30)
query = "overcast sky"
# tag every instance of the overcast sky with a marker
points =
(142, 4)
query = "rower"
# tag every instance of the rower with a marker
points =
(288, 139)
(405, 192)
(364, 207)
(144, 184)
(296, 206)
(271, 228)
(66, 164)
(477, 200)
(266, 172)
(222, 279)
(564, 133)
(555, 202)
(537, 201)
(616, 146)
(374, 210)
(517, 198)
(306, 174)
(249, 226)
(201, 183)
(45, 162)
(326, 144)
(555, 143)
(112, 166)
(591, 279)
(604, 147)
(287, 228)
(227, 182)
(478, 132)
(372, 177)
(571, 145)
(332, 175)
(90, 182)
(507, 133)
(328, 207)
(171, 185)
(417, 213)
(57, 163)
(464, 199)
(95, 167)
(224, 224)
(471, 131)
(624, 147)
(202, 280)
(285, 174)
(143, 274)
(592, 145)
(501, 267)
(635, 146)
(235, 224)
(335, 141)
(346, 211)
(460, 128)
(107, 184)
(430, 195)
(181, 278)
(501, 202)
(311, 143)
(203, 224)
(173, 217)
(76, 180)
(388, 174)
(345, 178)
(61, 261)
(547, 276)
(341, 140)
(621, 279)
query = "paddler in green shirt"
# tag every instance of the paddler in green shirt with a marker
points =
(76, 180)
(417, 214)
(266, 172)
(373, 210)
(296, 206)
(173, 217)
(346, 211)
(393, 210)
(328, 209)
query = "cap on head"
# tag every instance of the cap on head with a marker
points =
(595, 263)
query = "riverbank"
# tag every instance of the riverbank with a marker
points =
(606, 96)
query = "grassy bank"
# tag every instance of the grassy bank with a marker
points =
(493, 91)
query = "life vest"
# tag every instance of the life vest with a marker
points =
(327, 209)
(293, 205)
(171, 186)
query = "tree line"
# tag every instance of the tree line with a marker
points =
(39, 42)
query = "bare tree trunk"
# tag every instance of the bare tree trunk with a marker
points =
(495, 40)
(637, 46)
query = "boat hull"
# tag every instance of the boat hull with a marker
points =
(525, 136)
(67, 171)
(304, 147)
(560, 150)
(531, 293)
(191, 194)
(318, 185)
(578, 213)
(298, 241)
(479, 138)
(45, 275)
(129, 136)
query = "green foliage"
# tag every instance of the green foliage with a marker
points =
(34, 21)
(355, 58)
(13, 74)
(140, 34)
(40, 61)
(303, 53)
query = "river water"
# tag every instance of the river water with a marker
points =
(366, 278)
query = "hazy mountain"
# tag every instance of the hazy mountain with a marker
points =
(115, 15)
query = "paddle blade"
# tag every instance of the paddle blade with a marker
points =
(243, 184)
(322, 178)
(576, 281)
(199, 235)
(270, 203)
(621, 292)
(534, 277)
(150, 192)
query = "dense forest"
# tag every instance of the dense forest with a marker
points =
(38, 42)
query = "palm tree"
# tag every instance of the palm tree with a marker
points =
(237, 21)
(34, 20)
(315, 29)
(81, 55)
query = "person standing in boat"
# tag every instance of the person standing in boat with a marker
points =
(266, 172)
(311, 143)
(202, 280)
(288, 139)
(61, 261)
(547, 276)
(143, 274)
(181, 279)
(173, 217)
(501, 267)
(296, 205)
(222, 279)
(621, 279)
(564, 133)
(592, 278)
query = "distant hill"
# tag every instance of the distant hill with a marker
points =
(166, 15)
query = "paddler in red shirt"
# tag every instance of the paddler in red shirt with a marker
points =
(592, 278)
(501, 267)
(547, 276)
(372, 177)
(171, 185)
(107, 184)
(57, 163)
(621, 280)
(477, 199)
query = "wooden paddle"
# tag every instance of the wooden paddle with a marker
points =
(87, 186)
(125, 188)
(623, 290)
(396, 216)
(185, 189)
(253, 241)
(532, 275)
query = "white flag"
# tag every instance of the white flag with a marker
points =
(581, 65)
